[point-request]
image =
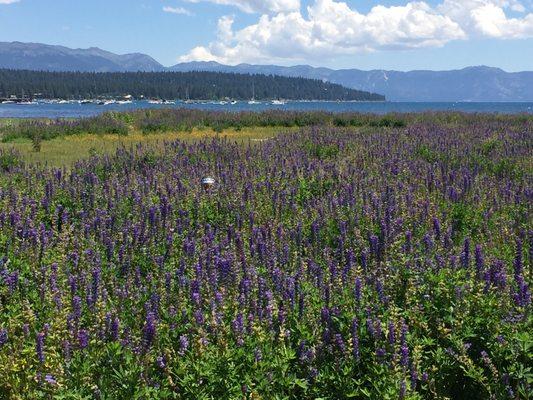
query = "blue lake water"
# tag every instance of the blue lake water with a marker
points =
(75, 110)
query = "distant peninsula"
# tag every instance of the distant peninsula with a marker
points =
(192, 85)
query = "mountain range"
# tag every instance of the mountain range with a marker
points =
(469, 84)
(43, 57)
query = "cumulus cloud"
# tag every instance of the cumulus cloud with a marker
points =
(258, 6)
(488, 17)
(331, 28)
(8, 1)
(177, 10)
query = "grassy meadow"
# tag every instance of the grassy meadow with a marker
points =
(66, 150)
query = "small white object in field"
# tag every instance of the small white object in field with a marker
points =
(208, 183)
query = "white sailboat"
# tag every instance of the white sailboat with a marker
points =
(252, 100)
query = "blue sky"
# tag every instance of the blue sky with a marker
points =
(389, 34)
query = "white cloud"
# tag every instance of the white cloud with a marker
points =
(488, 18)
(177, 10)
(331, 29)
(258, 6)
(8, 1)
(492, 21)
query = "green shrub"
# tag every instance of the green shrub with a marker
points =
(9, 160)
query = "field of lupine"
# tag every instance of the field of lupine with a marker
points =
(331, 263)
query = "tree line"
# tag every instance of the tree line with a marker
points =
(172, 85)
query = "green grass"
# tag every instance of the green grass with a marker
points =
(64, 151)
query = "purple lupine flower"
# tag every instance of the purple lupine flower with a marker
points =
(76, 307)
(518, 263)
(380, 291)
(66, 349)
(403, 333)
(238, 324)
(53, 277)
(3, 337)
(355, 339)
(96, 273)
(498, 275)
(325, 317)
(522, 296)
(436, 228)
(465, 255)
(339, 341)
(404, 356)
(114, 329)
(403, 390)
(39, 347)
(378, 333)
(357, 290)
(408, 240)
(374, 245)
(392, 334)
(448, 239)
(414, 378)
(50, 379)
(12, 281)
(26, 330)
(301, 352)
(258, 355)
(369, 324)
(478, 256)
(199, 317)
(381, 353)
(485, 356)
(83, 338)
(428, 242)
(149, 330)
(184, 344)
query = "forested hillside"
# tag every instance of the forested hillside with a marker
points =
(172, 85)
